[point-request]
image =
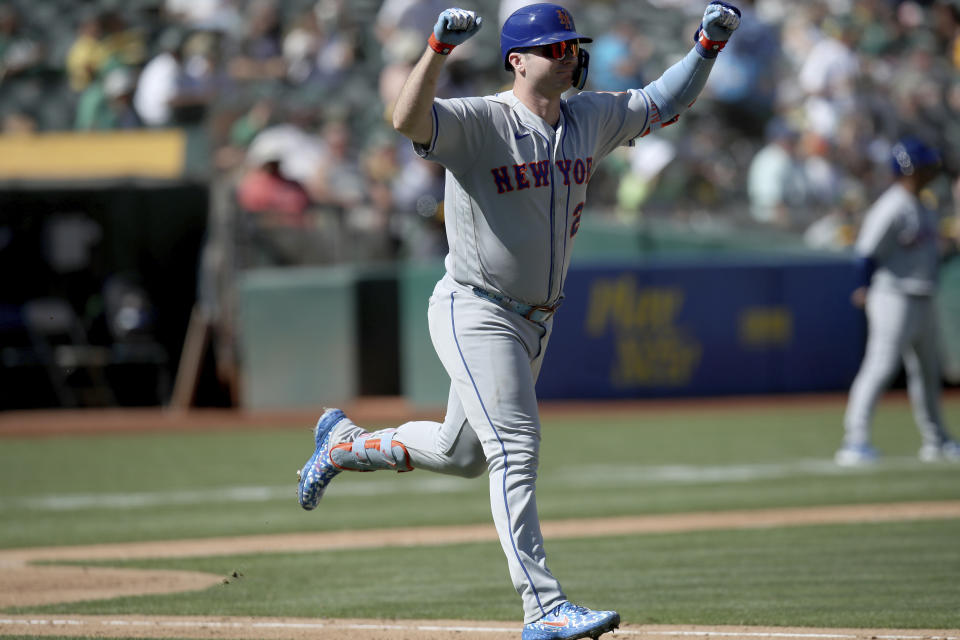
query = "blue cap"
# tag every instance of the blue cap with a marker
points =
(910, 154)
(537, 24)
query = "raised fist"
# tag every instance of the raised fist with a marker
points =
(720, 20)
(455, 26)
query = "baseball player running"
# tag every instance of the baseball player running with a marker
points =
(898, 243)
(517, 167)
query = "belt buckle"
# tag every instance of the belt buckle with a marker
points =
(548, 310)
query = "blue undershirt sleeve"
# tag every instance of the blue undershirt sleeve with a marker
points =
(675, 90)
(865, 268)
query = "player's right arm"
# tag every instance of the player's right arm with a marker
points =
(412, 115)
(877, 232)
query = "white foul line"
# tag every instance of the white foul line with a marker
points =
(252, 625)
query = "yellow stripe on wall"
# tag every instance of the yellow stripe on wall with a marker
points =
(73, 156)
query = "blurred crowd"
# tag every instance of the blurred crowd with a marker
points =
(793, 131)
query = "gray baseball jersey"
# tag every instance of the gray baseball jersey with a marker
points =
(516, 187)
(900, 235)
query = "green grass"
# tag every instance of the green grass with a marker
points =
(109, 488)
(886, 575)
(114, 488)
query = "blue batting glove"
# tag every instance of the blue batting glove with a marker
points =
(720, 20)
(455, 26)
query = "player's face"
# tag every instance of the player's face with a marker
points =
(567, 49)
(550, 67)
(926, 175)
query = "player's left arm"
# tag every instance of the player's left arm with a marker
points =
(675, 91)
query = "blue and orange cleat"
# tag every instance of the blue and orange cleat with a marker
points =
(568, 621)
(319, 470)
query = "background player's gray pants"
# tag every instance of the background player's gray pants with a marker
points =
(493, 357)
(899, 326)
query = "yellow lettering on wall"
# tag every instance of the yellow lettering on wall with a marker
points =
(608, 302)
(766, 327)
(651, 350)
(666, 360)
(621, 304)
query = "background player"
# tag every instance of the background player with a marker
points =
(899, 243)
(517, 168)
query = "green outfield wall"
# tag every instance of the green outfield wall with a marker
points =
(298, 332)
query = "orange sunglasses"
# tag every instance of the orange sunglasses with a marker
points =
(556, 50)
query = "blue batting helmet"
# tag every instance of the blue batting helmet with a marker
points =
(534, 25)
(910, 154)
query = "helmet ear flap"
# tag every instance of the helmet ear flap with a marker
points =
(583, 65)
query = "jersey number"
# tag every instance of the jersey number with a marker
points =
(576, 220)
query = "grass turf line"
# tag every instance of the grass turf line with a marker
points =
(886, 575)
(590, 468)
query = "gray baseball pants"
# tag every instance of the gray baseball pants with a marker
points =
(493, 357)
(899, 326)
